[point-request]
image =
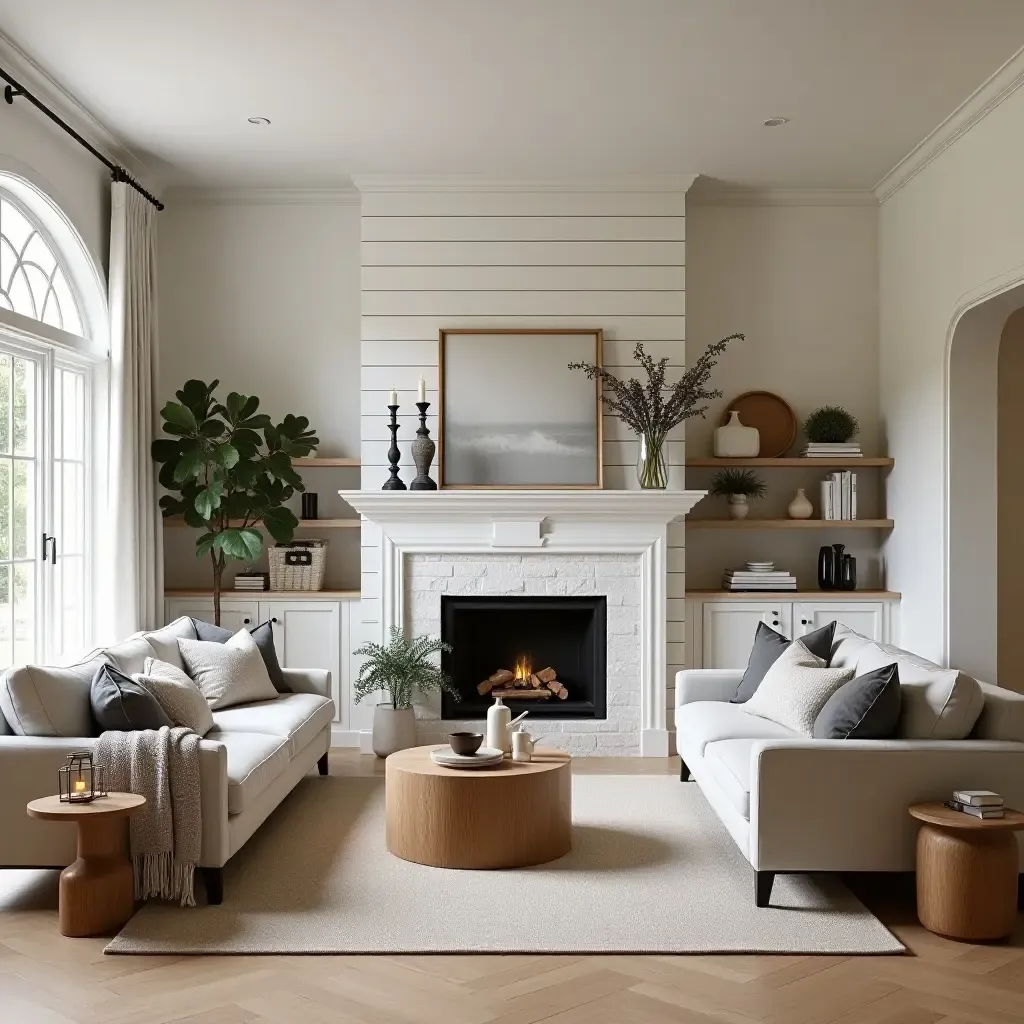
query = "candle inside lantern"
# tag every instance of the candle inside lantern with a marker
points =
(393, 398)
(423, 390)
(79, 785)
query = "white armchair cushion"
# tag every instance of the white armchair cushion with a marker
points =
(796, 688)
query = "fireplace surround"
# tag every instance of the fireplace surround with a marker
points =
(568, 634)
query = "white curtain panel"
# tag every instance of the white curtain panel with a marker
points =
(134, 551)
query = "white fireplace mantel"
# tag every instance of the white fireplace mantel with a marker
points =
(534, 522)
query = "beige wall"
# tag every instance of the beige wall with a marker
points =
(1011, 502)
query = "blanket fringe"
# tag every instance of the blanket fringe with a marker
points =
(160, 876)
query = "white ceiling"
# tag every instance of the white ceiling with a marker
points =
(518, 88)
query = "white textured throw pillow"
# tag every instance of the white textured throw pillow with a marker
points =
(796, 688)
(182, 701)
(230, 673)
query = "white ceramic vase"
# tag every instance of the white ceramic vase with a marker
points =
(393, 729)
(738, 506)
(735, 441)
(800, 507)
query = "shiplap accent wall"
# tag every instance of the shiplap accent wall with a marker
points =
(609, 256)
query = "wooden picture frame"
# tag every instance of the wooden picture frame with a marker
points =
(517, 418)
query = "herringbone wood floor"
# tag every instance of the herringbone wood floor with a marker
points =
(47, 979)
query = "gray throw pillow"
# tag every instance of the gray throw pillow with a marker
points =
(865, 708)
(768, 645)
(264, 637)
(122, 705)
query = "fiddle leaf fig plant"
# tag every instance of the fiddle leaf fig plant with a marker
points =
(229, 468)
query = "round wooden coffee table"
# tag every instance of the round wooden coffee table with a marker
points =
(966, 872)
(504, 817)
(96, 891)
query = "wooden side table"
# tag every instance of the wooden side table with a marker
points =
(966, 873)
(96, 891)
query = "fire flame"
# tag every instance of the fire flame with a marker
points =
(523, 667)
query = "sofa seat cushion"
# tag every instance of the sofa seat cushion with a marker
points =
(298, 716)
(708, 721)
(255, 760)
(729, 762)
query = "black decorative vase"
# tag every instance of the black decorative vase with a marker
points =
(826, 568)
(848, 573)
(309, 505)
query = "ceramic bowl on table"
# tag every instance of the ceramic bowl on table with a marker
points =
(465, 743)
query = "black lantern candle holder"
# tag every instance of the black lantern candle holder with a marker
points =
(81, 780)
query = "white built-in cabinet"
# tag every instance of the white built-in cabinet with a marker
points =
(720, 631)
(308, 632)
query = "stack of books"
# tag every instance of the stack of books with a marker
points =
(839, 496)
(844, 450)
(252, 581)
(758, 576)
(982, 803)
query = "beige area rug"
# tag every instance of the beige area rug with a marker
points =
(651, 871)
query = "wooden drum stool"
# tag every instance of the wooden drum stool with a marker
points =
(97, 890)
(966, 873)
(506, 817)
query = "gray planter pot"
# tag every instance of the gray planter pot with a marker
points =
(393, 729)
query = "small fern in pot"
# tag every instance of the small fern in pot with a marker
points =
(739, 486)
(399, 668)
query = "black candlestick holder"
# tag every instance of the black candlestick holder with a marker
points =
(394, 483)
(423, 449)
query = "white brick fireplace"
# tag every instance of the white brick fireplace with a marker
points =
(540, 543)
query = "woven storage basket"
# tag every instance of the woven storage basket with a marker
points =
(299, 565)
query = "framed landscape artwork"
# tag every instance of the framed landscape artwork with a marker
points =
(513, 415)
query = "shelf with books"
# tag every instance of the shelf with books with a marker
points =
(800, 462)
(789, 524)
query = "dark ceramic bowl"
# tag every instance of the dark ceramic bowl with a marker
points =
(465, 742)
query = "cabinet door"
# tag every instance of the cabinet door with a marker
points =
(864, 617)
(234, 614)
(728, 629)
(307, 634)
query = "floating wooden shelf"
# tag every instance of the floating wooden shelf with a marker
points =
(327, 463)
(789, 524)
(304, 524)
(797, 463)
(268, 595)
(789, 595)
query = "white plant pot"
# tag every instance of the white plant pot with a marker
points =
(738, 506)
(735, 441)
(800, 507)
(393, 729)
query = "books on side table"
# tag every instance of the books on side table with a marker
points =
(981, 803)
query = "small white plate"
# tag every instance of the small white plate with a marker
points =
(485, 757)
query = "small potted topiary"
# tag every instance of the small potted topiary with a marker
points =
(831, 424)
(739, 486)
(399, 669)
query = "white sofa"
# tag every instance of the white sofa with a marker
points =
(794, 804)
(249, 762)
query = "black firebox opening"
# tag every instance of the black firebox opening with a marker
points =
(568, 634)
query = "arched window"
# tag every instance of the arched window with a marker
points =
(33, 280)
(52, 337)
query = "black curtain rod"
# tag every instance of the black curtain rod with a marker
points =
(15, 89)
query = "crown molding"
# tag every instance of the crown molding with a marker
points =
(781, 197)
(197, 196)
(22, 67)
(472, 183)
(975, 108)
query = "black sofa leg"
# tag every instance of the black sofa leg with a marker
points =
(213, 882)
(322, 765)
(684, 772)
(763, 881)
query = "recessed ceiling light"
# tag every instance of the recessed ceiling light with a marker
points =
(771, 122)
(266, 120)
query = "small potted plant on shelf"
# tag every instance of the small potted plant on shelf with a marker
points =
(739, 486)
(399, 668)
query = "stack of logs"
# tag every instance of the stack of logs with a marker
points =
(537, 686)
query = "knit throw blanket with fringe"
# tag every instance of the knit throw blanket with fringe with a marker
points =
(165, 835)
